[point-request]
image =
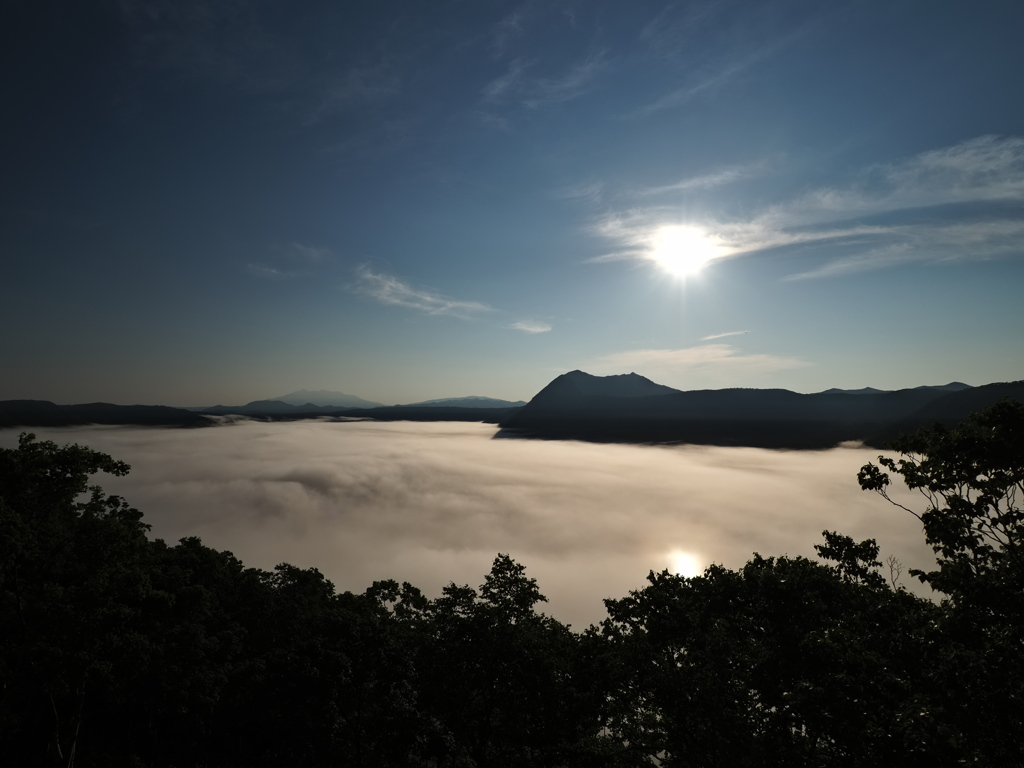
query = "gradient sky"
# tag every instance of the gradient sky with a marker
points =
(215, 202)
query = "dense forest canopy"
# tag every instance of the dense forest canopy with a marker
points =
(121, 650)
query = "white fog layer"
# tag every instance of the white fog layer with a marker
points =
(431, 503)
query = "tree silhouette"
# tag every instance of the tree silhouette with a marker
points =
(72, 579)
(972, 479)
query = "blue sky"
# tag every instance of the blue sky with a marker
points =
(214, 202)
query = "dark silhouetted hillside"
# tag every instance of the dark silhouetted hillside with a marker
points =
(43, 413)
(630, 408)
(473, 401)
(950, 409)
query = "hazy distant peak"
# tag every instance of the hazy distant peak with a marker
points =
(324, 397)
(861, 391)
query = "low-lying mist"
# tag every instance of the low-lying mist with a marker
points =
(431, 503)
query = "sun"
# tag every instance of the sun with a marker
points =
(684, 564)
(683, 251)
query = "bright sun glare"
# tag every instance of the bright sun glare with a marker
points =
(684, 564)
(683, 251)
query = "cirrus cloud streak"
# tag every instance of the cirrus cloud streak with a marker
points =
(388, 289)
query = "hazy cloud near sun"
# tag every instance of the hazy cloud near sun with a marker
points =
(432, 503)
(697, 367)
(963, 202)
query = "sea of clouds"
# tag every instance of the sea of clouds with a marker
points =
(432, 503)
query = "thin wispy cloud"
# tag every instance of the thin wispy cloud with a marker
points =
(986, 168)
(940, 243)
(511, 81)
(491, 120)
(681, 96)
(711, 79)
(309, 254)
(354, 88)
(723, 335)
(672, 31)
(977, 186)
(293, 253)
(507, 30)
(590, 192)
(270, 273)
(578, 80)
(388, 289)
(678, 36)
(717, 178)
(531, 326)
(515, 87)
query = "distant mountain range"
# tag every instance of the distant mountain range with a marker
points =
(268, 407)
(323, 397)
(300, 401)
(953, 386)
(577, 405)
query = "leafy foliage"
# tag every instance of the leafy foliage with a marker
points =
(972, 479)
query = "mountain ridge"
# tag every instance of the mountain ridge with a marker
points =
(621, 408)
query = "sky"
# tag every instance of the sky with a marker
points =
(433, 503)
(218, 202)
